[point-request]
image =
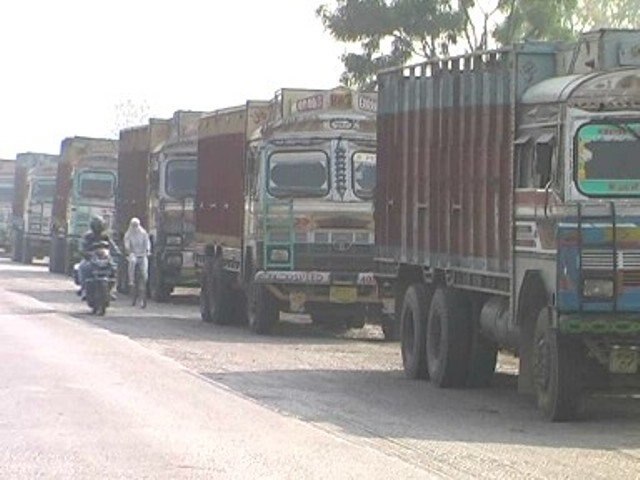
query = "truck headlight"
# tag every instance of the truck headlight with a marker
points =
(597, 288)
(279, 255)
(173, 240)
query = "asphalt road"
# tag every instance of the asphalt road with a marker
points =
(156, 393)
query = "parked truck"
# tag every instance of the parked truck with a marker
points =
(508, 217)
(86, 182)
(7, 174)
(159, 161)
(137, 147)
(284, 217)
(34, 187)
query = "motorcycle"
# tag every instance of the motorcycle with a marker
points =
(100, 280)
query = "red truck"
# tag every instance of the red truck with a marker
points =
(157, 171)
(508, 215)
(284, 217)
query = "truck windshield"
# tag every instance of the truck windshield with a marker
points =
(181, 178)
(299, 174)
(608, 158)
(43, 191)
(96, 184)
(364, 174)
(6, 192)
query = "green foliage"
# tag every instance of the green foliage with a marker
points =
(391, 32)
(536, 19)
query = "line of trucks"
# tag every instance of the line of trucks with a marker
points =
(473, 204)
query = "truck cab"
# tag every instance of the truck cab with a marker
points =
(285, 211)
(85, 187)
(310, 212)
(172, 221)
(7, 173)
(34, 194)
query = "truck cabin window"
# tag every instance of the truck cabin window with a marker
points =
(43, 191)
(298, 174)
(364, 174)
(534, 159)
(607, 158)
(94, 184)
(6, 193)
(181, 178)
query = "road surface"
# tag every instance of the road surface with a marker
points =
(156, 393)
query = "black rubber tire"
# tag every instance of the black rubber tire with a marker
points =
(27, 256)
(205, 306)
(221, 297)
(413, 323)
(16, 251)
(448, 339)
(390, 328)
(557, 369)
(482, 362)
(263, 311)
(159, 291)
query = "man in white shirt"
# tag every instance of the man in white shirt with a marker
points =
(138, 248)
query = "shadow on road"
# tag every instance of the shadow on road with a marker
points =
(158, 322)
(408, 409)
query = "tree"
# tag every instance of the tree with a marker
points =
(536, 19)
(594, 14)
(390, 32)
(563, 19)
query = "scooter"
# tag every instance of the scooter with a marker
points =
(100, 280)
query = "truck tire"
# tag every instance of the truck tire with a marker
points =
(263, 311)
(448, 338)
(482, 362)
(216, 299)
(27, 254)
(557, 370)
(16, 251)
(159, 291)
(413, 323)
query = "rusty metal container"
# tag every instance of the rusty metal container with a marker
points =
(445, 161)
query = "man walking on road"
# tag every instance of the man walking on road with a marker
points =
(138, 248)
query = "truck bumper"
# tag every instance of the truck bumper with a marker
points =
(303, 291)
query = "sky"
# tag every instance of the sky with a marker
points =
(66, 65)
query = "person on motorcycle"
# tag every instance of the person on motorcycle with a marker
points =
(96, 235)
(138, 248)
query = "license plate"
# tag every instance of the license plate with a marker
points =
(623, 360)
(343, 294)
(297, 301)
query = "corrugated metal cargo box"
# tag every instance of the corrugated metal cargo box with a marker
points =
(445, 162)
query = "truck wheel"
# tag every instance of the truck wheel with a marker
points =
(16, 253)
(216, 299)
(413, 320)
(557, 371)
(27, 255)
(263, 310)
(205, 303)
(390, 328)
(482, 362)
(159, 291)
(448, 338)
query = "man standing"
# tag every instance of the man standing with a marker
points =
(138, 248)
